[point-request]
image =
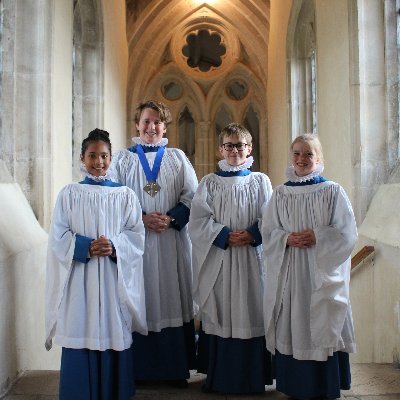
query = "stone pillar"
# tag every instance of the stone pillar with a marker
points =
(371, 167)
(204, 163)
(263, 151)
(88, 76)
(25, 99)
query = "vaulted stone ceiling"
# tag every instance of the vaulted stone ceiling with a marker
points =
(198, 54)
(156, 33)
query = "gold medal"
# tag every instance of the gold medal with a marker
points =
(152, 188)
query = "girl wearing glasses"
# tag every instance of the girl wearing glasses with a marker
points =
(228, 274)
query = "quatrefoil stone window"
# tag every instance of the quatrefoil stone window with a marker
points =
(203, 50)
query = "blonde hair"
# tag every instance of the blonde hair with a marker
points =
(313, 142)
(235, 129)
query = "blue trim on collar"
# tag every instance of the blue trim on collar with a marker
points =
(313, 181)
(88, 181)
(243, 172)
(146, 149)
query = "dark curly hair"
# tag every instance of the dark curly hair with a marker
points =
(95, 136)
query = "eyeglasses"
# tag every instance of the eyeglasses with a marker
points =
(230, 146)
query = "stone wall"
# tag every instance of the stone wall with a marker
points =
(23, 245)
(375, 284)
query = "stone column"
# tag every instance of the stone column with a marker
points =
(25, 100)
(371, 166)
(204, 163)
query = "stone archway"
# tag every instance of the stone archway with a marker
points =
(213, 53)
(302, 75)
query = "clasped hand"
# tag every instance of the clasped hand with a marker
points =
(156, 221)
(303, 239)
(100, 247)
(240, 238)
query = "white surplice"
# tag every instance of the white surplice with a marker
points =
(307, 308)
(228, 284)
(167, 256)
(95, 305)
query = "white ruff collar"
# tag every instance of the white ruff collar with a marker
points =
(107, 177)
(224, 166)
(138, 140)
(291, 174)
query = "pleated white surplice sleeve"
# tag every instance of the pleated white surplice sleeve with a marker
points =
(167, 256)
(228, 282)
(307, 311)
(95, 304)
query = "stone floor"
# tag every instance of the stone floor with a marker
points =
(370, 382)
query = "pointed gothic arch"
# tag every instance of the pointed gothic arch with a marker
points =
(242, 29)
(187, 133)
(301, 47)
(252, 122)
(223, 117)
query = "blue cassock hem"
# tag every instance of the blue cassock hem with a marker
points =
(304, 379)
(235, 366)
(165, 355)
(92, 374)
